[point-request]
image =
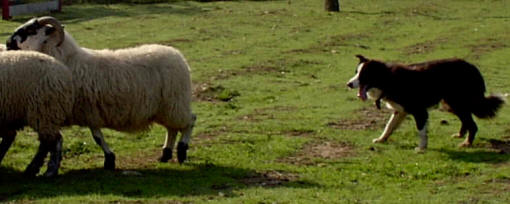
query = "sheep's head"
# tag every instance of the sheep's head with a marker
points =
(36, 33)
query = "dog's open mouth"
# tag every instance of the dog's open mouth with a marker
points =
(362, 93)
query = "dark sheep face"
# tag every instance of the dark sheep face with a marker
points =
(29, 36)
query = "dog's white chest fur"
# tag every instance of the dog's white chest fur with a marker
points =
(375, 93)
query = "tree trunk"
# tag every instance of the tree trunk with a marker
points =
(332, 5)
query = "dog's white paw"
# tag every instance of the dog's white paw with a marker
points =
(378, 140)
(465, 144)
(457, 135)
(420, 150)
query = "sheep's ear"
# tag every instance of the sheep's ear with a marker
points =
(361, 58)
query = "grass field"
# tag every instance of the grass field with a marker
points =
(276, 123)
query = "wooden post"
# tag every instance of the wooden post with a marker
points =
(332, 5)
(5, 10)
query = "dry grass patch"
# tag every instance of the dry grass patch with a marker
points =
(261, 114)
(313, 152)
(370, 118)
(424, 47)
(213, 93)
(486, 46)
(143, 159)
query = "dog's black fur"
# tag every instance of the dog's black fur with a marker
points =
(417, 87)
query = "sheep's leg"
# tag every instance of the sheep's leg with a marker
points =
(169, 145)
(7, 140)
(109, 156)
(55, 149)
(183, 145)
(38, 160)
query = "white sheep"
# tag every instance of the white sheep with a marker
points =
(36, 90)
(2, 47)
(126, 89)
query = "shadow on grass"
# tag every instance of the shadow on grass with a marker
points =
(497, 152)
(491, 155)
(479, 156)
(202, 179)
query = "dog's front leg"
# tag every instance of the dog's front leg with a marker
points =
(421, 124)
(395, 120)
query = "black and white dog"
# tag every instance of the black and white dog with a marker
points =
(411, 89)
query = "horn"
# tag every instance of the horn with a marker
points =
(56, 24)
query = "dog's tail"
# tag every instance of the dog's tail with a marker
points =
(489, 106)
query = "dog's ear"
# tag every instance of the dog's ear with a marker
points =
(361, 58)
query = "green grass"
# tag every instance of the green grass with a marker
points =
(276, 122)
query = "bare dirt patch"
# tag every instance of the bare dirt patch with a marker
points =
(299, 133)
(249, 70)
(261, 69)
(143, 159)
(176, 41)
(370, 118)
(486, 46)
(207, 135)
(505, 180)
(424, 47)
(261, 114)
(345, 40)
(420, 48)
(202, 92)
(277, 67)
(269, 178)
(206, 138)
(328, 44)
(213, 93)
(313, 152)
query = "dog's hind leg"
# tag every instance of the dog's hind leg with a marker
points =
(462, 132)
(459, 106)
(421, 118)
(461, 110)
(395, 120)
(468, 123)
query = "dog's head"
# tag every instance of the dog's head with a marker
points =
(370, 77)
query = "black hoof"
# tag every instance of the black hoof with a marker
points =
(182, 148)
(109, 161)
(166, 155)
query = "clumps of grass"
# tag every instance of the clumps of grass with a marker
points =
(216, 93)
(77, 148)
(227, 95)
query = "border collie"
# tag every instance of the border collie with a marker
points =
(411, 89)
